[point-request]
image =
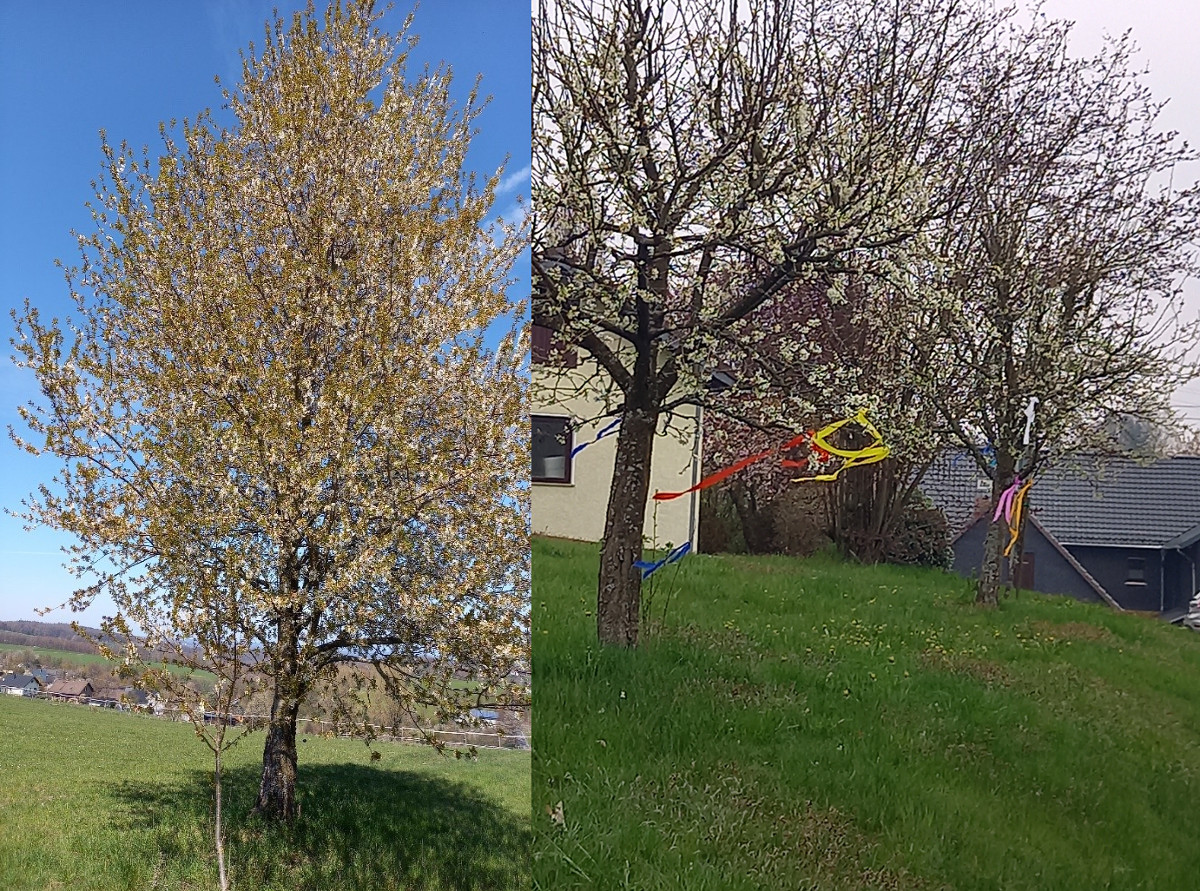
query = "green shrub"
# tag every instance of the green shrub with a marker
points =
(921, 538)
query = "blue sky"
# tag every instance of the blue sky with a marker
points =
(69, 69)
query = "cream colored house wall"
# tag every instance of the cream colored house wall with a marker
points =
(577, 509)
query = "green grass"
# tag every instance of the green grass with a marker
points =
(71, 658)
(92, 799)
(66, 655)
(813, 725)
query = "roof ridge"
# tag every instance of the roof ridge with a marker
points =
(1113, 502)
(1076, 565)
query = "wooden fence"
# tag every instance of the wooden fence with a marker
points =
(481, 739)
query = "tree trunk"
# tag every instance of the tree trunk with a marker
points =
(219, 830)
(758, 526)
(990, 574)
(876, 503)
(854, 533)
(619, 597)
(843, 525)
(277, 792)
(988, 592)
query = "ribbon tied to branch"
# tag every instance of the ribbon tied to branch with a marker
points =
(1009, 505)
(870, 454)
(821, 449)
(1029, 408)
(649, 568)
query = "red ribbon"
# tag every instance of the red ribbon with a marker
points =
(713, 478)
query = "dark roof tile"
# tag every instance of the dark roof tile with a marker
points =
(18, 680)
(1116, 502)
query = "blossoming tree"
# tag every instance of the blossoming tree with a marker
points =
(291, 408)
(1060, 276)
(859, 357)
(690, 161)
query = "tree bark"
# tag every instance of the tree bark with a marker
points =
(619, 597)
(1017, 559)
(277, 791)
(758, 523)
(854, 533)
(988, 592)
(990, 574)
(219, 829)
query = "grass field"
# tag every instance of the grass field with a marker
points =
(811, 725)
(71, 658)
(93, 799)
(44, 653)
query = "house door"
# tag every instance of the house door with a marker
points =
(1025, 573)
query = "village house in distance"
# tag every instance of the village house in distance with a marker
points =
(21, 675)
(1115, 531)
(42, 684)
(21, 684)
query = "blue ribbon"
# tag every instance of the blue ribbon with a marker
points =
(648, 568)
(986, 450)
(599, 436)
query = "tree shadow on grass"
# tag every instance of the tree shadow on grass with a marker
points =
(360, 828)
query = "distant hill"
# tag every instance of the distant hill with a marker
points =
(61, 636)
(50, 635)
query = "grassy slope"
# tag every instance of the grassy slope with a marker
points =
(73, 659)
(67, 655)
(806, 724)
(93, 799)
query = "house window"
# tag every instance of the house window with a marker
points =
(551, 449)
(1135, 571)
(549, 350)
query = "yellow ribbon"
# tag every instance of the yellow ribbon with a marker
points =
(1015, 528)
(871, 454)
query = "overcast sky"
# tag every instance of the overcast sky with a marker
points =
(1166, 34)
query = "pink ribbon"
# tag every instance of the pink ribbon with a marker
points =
(1005, 504)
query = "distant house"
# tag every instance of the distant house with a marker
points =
(156, 702)
(74, 690)
(105, 697)
(20, 685)
(123, 698)
(1112, 531)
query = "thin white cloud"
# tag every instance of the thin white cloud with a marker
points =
(512, 213)
(513, 181)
